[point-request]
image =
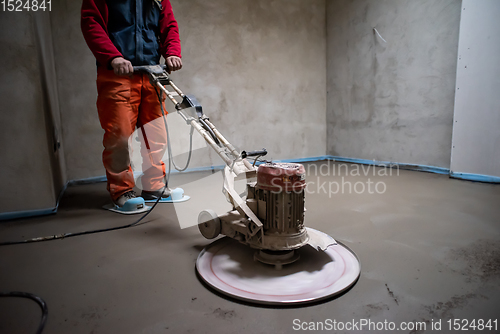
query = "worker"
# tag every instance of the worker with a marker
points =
(122, 34)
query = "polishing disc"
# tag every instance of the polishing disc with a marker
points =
(229, 267)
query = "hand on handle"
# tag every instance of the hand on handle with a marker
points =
(173, 63)
(122, 66)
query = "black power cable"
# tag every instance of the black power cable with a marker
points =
(170, 155)
(74, 234)
(35, 298)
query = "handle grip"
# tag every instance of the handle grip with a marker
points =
(152, 69)
(245, 154)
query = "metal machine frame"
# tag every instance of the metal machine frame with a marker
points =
(242, 223)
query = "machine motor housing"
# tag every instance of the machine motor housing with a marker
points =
(280, 198)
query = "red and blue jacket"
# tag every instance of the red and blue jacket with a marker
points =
(137, 30)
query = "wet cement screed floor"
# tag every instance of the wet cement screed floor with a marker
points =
(428, 246)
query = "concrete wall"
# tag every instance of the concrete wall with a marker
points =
(31, 167)
(392, 101)
(76, 75)
(258, 67)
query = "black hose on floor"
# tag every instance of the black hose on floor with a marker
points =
(35, 298)
(74, 234)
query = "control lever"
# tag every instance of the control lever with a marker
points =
(245, 154)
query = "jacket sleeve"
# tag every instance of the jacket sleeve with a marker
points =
(170, 43)
(94, 16)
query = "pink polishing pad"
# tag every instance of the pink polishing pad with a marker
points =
(229, 267)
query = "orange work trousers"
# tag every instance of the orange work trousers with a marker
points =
(124, 104)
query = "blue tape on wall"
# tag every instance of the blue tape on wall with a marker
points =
(475, 177)
(89, 180)
(34, 213)
(27, 214)
(320, 158)
(422, 168)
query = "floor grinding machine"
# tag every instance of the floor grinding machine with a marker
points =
(268, 255)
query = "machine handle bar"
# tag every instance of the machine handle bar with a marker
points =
(151, 69)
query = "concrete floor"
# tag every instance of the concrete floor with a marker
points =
(428, 248)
